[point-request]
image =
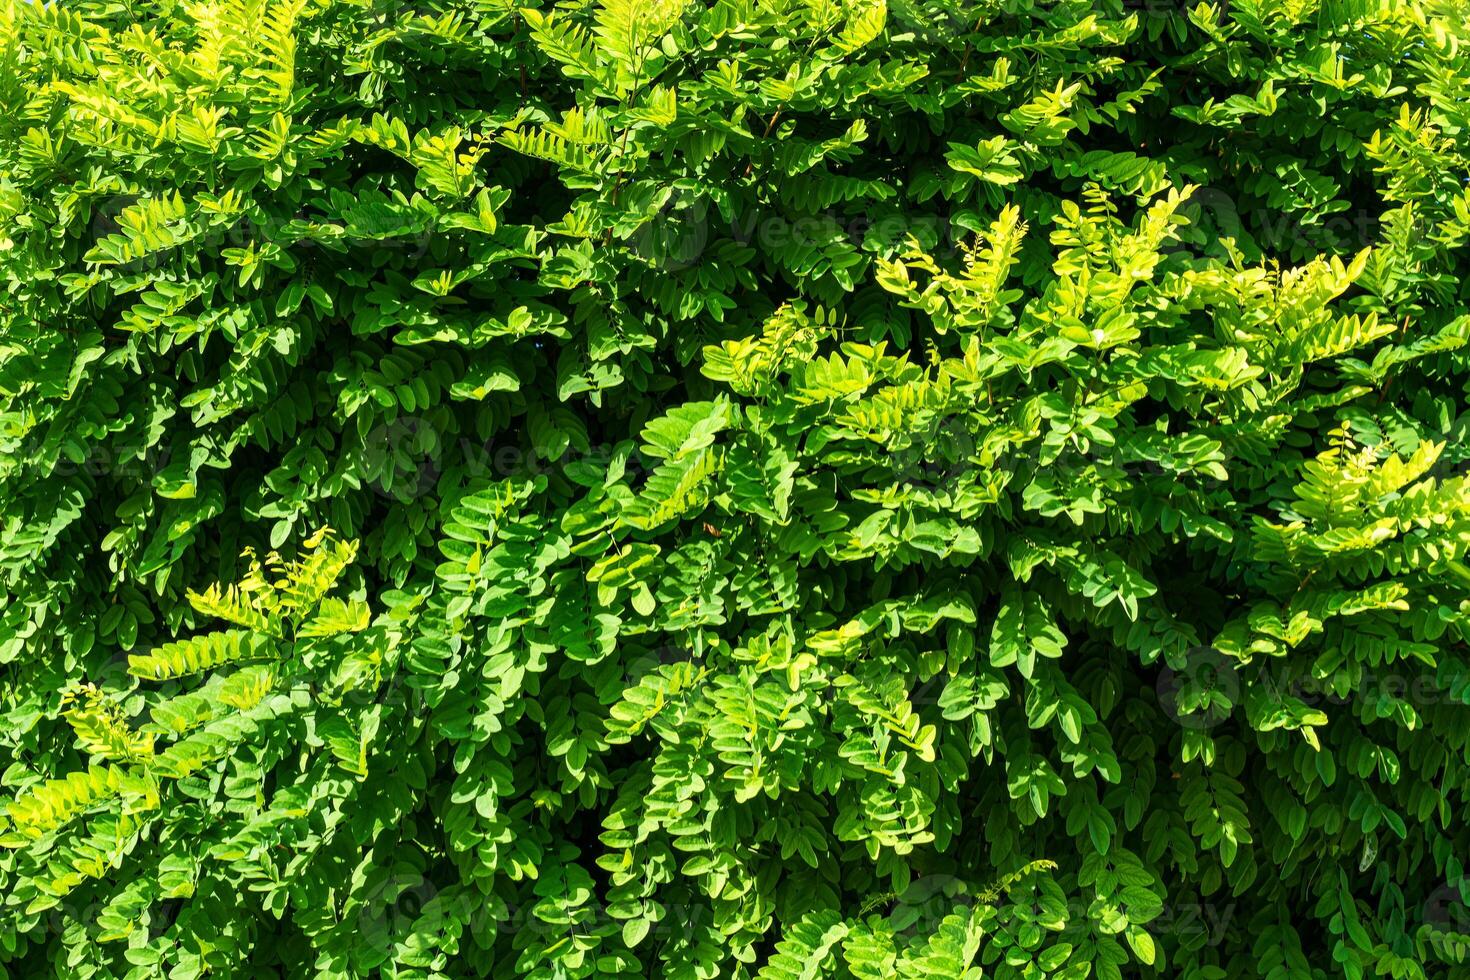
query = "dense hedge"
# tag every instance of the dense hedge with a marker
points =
(815, 489)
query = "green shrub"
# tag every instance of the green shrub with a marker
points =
(816, 489)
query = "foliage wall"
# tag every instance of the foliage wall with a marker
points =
(735, 488)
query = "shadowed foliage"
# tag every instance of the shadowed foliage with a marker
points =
(735, 489)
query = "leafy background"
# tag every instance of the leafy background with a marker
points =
(817, 489)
